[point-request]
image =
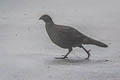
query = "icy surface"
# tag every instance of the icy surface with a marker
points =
(26, 52)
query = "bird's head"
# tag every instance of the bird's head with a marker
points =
(46, 18)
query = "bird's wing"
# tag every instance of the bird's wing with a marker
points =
(70, 33)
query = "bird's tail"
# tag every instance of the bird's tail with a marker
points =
(95, 42)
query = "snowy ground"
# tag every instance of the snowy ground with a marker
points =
(26, 52)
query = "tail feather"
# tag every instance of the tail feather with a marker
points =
(98, 43)
(95, 42)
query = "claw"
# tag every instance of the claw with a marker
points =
(64, 55)
(89, 50)
(87, 58)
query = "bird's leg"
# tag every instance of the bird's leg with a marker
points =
(87, 51)
(69, 50)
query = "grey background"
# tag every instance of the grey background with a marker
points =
(26, 52)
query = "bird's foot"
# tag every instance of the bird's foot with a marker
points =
(61, 57)
(88, 51)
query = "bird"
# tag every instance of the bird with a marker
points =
(68, 37)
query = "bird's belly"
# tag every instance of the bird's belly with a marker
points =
(61, 40)
(61, 43)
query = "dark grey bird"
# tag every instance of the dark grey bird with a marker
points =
(68, 37)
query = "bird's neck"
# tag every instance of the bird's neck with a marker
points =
(49, 28)
(49, 25)
(49, 22)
